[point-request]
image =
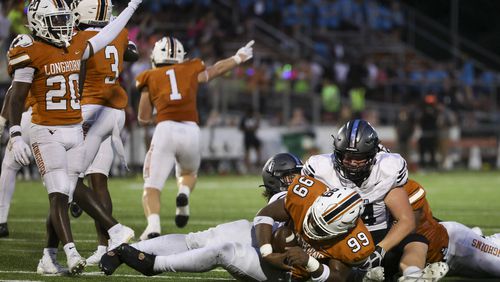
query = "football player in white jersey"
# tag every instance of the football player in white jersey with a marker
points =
(230, 245)
(357, 162)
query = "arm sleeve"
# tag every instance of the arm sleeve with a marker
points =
(108, 33)
(26, 75)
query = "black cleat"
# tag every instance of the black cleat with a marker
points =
(153, 235)
(4, 230)
(181, 201)
(75, 210)
(140, 261)
(110, 261)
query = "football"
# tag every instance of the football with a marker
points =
(283, 237)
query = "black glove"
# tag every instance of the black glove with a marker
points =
(375, 259)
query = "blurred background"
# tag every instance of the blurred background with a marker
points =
(424, 73)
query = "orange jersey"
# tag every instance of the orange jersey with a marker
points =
(352, 248)
(173, 90)
(427, 225)
(101, 85)
(55, 83)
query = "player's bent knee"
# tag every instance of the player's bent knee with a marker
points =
(226, 253)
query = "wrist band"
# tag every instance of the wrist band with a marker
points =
(265, 250)
(263, 220)
(324, 275)
(14, 129)
(237, 59)
(312, 264)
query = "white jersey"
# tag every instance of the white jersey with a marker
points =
(388, 172)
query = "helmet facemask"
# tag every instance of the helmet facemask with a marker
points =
(357, 170)
(55, 27)
(332, 214)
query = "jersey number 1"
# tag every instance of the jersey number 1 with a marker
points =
(174, 95)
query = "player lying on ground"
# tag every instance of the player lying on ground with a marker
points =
(229, 245)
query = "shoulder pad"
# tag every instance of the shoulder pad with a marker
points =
(394, 165)
(22, 40)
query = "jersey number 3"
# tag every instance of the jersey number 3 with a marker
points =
(174, 94)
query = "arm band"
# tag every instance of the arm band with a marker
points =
(15, 130)
(265, 250)
(312, 264)
(263, 220)
(324, 276)
(25, 75)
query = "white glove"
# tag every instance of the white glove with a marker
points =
(245, 53)
(20, 149)
(134, 4)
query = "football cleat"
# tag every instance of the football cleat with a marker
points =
(49, 266)
(375, 274)
(75, 210)
(110, 261)
(149, 233)
(431, 273)
(140, 261)
(95, 258)
(4, 229)
(76, 263)
(123, 235)
(182, 210)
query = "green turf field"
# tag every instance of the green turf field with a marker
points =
(467, 197)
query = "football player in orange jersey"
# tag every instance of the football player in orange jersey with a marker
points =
(171, 88)
(47, 65)
(466, 252)
(326, 220)
(103, 101)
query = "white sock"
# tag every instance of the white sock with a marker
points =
(102, 249)
(154, 221)
(164, 245)
(411, 270)
(185, 190)
(50, 252)
(115, 229)
(70, 249)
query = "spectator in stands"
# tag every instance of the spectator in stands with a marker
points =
(446, 122)
(249, 125)
(428, 141)
(405, 126)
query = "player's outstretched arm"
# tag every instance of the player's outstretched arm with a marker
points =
(110, 31)
(244, 54)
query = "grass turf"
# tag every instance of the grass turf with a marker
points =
(467, 197)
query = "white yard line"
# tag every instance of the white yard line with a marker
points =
(96, 274)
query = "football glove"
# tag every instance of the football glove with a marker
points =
(21, 150)
(375, 259)
(245, 53)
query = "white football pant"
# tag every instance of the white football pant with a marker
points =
(470, 254)
(228, 245)
(58, 152)
(102, 140)
(173, 142)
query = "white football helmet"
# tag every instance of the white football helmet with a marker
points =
(333, 213)
(51, 20)
(167, 50)
(92, 12)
